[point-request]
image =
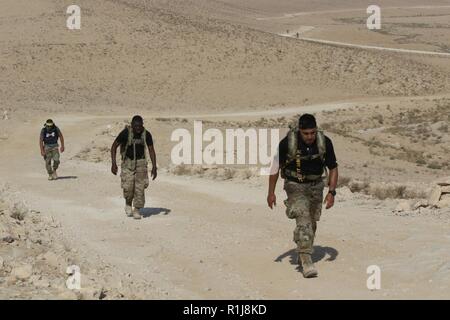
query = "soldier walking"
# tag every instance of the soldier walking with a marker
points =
(48, 143)
(133, 140)
(304, 155)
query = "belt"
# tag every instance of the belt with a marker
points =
(311, 182)
(138, 158)
(307, 178)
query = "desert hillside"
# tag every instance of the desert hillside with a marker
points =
(383, 97)
(132, 56)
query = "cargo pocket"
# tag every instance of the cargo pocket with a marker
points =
(126, 179)
(142, 176)
(290, 212)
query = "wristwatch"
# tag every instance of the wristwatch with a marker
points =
(333, 192)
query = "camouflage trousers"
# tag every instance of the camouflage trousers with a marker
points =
(134, 181)
(51, 154)
(304, 204)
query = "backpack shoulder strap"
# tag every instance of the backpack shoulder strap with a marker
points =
(144, 138)
(292, 137)
(130, 136)
(123, 148)
(321, 145)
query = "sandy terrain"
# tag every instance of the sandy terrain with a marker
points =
(207, 231)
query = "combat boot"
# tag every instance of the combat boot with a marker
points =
(309, 270)
(54, 175)
(50, 176)
(128, 211)
(136, 214)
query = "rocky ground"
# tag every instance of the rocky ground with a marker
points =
(206, 231)
(35, 257)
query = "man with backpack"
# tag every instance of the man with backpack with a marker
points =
(304, 155)
(133, 140)
(48, 143)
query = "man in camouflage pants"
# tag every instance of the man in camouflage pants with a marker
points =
(133, 141)
(303, 155)
(48, 143)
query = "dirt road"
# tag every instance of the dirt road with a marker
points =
(219, 240)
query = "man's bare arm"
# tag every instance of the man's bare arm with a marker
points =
(114, 168)
(41, 145)
(61, 137)
(151, 151)
(271, 198)
(333, 179)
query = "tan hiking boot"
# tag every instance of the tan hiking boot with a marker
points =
(136, 214)
(309, 271)
(54, 175)
(128, 211)
(50, 177)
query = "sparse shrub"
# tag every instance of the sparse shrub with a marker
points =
(420, 162)
(379, 118)
(443, 128)
(197, 170)
(19, 211)
(180, 170)
(435, 165)
(358, 186)
(229, 173)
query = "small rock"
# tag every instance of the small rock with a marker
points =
(445, 189)
(445, 181)
(444, 202)
(51, 259)
(434, 196)
(42, 283)
(344, 193)
(8, 239)
(2, 263)
(403, 205)
(420, 204)
(37, 281)
(22, 272)
(11, 280)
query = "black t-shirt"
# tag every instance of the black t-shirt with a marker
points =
(313, 167)
(50, 137)
(122, 139)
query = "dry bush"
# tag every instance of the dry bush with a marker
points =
(387, 191)
(358, 186)
(180, 170)
(443, 128)
(384, 191)
(19, 211)
(214, 172)
(435, 165)
(343, 181)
